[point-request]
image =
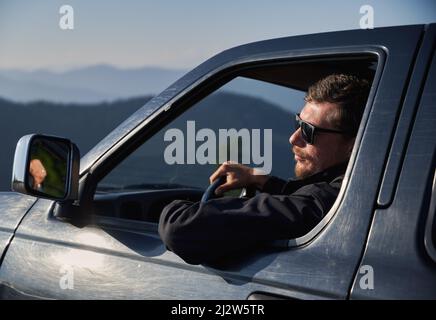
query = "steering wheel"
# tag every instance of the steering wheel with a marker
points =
(210, 191)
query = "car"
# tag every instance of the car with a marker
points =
(91, 231)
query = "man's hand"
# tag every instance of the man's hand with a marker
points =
(38, 172)
(238, 176)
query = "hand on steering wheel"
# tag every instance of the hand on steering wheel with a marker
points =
(230, 176)
(210, 191)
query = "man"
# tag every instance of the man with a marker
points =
(322, 144)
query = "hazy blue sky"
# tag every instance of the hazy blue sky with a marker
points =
(173, 34)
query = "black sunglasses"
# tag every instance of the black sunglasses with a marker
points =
(308, 130)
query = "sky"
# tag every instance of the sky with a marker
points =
(173, 34)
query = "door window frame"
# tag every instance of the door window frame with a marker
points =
(213, 81)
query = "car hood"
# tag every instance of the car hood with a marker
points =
(13, 207)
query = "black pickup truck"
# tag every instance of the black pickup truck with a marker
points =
(91, 233)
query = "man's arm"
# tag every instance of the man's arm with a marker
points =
(38, 173)
(240, 176)
(206, 232)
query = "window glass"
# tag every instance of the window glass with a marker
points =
(243, 104)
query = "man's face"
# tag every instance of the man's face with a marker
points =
(329, 149)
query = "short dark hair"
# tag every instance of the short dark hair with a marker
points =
(348, 92)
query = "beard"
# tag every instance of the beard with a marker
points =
(302, 171)
(306, 167)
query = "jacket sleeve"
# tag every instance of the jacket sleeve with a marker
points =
(206, 232)
(274, 185)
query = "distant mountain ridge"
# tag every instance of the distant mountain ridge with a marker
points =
(105, 83)
(92, 84)
(87, 124)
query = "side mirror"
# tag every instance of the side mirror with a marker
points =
(47, 167)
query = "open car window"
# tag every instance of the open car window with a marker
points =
(258, 102)
(242, 104)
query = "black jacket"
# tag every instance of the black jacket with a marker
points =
(203, 233)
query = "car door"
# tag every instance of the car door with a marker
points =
(55, 255)
(400, 251)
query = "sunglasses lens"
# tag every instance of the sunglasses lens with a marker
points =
(297, 123)
(306, 132)
(306, 129)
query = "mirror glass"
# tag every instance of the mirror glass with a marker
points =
(48, 167)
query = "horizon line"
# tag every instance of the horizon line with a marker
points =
(65, 69)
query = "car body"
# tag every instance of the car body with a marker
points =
(380, 228)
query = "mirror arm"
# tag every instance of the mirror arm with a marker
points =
(80, 211)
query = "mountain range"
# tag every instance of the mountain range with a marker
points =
(106, 83)
(92, 84)
(72, 103)
(87, 124)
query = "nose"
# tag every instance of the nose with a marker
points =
(296, 139)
